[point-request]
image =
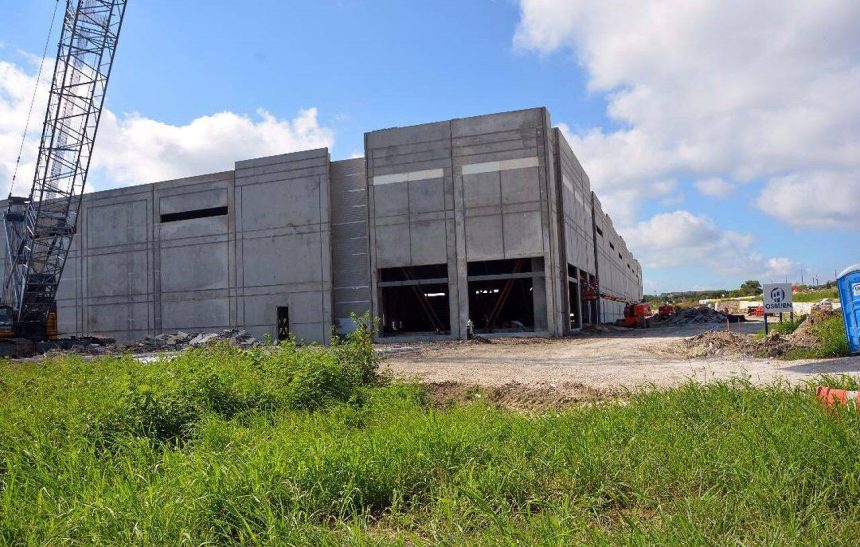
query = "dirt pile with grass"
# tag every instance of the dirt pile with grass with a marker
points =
(819, 335)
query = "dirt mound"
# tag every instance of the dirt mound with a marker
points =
(518, 396)
(715, 343)
(804, 335)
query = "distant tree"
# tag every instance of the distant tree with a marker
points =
(751, 287)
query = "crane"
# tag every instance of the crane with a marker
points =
(39, 228)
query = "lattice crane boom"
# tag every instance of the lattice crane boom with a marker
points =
(39, 228)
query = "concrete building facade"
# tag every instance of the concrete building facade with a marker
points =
(486, 223)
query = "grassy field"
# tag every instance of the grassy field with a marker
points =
(817, 295)
(304, 446)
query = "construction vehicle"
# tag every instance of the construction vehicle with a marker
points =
(755, 311)
(39, 228)
(635, 315)
(666, 311)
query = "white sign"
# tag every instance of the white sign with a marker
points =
(855, 288)
(778, 298)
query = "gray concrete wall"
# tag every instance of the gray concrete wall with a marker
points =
(411, 204)
(303, 232)
(129, 274)
(619, 273)
(350, 246)
(576, 194)
(283, 243)
(470, 189)
(506, 190)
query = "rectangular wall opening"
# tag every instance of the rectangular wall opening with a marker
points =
(507, 295)
(573, 298)
(415, 300)
(588, 297)
(575, 321)
(283, 322)
(195, 213)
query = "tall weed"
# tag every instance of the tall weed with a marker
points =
(293, 445)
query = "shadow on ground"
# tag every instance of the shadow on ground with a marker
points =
(841, 365)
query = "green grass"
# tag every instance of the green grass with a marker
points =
(831, 340)
(784, 328)
(302, 446)
(817, 295)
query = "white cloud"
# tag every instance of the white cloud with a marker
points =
(16, 91)
(715, 187)
(779, 267)
(134, 149)
(680, 238)
(821, 199)
(739, 90)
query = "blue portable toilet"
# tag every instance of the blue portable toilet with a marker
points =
(849, 294)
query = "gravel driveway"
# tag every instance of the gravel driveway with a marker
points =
(614, 359)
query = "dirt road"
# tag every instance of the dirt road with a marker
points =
(607, 360)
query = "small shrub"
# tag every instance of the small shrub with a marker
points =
(356, 348)
(319, 381)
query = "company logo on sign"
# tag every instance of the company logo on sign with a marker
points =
(777, 295)
(855, 288)
(778, 298)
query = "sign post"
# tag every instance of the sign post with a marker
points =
(777, 298)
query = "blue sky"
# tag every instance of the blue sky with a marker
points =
(680, 116)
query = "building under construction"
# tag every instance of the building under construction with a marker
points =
(486, 223)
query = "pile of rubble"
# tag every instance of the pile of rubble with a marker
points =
(176, 341)
(824, 306)
(722, 343)
(692, 316)
(181, 340)
(716, 343)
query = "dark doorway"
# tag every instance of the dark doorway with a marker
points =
(573, 304)
(415, 300)
(283, 322)
(502, 294)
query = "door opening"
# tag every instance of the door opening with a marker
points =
(283, 322)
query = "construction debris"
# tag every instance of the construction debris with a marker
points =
(824, 306)
(182, 340)
(692, 316)
(176, 341)
(720, 342)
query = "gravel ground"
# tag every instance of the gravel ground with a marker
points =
(613, 360)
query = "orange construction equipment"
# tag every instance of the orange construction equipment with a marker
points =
(635, 315)
(757, 311)
(830, 397)
(666, 311)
